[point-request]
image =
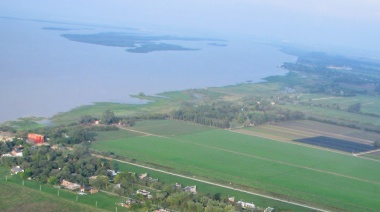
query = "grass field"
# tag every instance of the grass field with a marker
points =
(14, 196)
(292, 130)
(369, 104)
(162, 103)
(170, 127)
(336, 114)
(283, 169)
(210, 189)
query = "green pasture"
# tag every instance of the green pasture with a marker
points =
(306, 128)
(250, 89)
(374, 155)
(336, 114)
(66, 200)
(95, 110)
(114, 135)
(210, 189)
(296, 171)
(369, 104)
(162, 103)
(169, 127)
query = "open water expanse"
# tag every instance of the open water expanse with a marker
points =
(43, 73)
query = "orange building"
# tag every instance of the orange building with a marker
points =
(36, 138)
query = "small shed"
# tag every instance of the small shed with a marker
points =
(16, 170)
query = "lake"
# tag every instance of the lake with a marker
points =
(43, 73)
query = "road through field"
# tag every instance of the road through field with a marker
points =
(211, 183)
(260, 158)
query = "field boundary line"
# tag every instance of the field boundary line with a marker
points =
(211, 183)
(340, 136)
(289, 142)
(318, 132)
(266, 159)
(323, 98)
(368, 152)
(305, 145)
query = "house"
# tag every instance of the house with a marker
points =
(151, 179)
(177, 185)
(93, 190)
(269, 209)
(70, 185)
(17, 151)
(143, 192)
(57, 147)
(231, 199)
(93, 177)
(161, 210)
(6, 136)
(112, 172)
(125, 205)
(36, 138)
(246, 205)
(142, 176)
(192, 189)
(16, 170)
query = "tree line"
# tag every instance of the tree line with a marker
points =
(222, 114)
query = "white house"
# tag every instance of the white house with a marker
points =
(246, 205)
(192, 189)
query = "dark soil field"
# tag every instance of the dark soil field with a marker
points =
(329, 130)
(337, 144)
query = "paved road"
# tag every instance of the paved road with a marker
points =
(212, 183)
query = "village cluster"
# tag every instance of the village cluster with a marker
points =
(139, 196)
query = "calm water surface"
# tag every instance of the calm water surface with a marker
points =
(43, 73)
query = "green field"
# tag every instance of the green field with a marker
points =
(291, 130)
(210, 189)
(170, 127)
(14, 196)
(271, 167)
(369, 104)
(337, 114)
(162, 103)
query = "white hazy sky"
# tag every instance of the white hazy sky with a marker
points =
(329, 23)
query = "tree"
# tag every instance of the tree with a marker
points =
(119, 191)
(217, 196)
(27, 173)
(229, 208)
(108, 117)
(53, 180)
(86, 119)
(100, 182)
(354, 108)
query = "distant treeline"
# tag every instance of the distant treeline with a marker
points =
(222, 114)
